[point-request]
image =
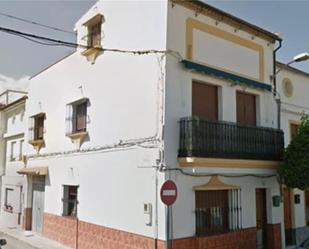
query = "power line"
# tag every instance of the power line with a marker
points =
(36, 23)
(55, 42)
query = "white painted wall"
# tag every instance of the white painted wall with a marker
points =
(124, 101)
(13, 133)
(224, 54)
(291, 110)
(178, 105)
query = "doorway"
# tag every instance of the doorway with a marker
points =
(38, 190)
(261, 218)
(287, 207)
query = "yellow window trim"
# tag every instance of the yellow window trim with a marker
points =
(195, 24)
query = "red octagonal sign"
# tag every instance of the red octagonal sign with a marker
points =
(168, 193)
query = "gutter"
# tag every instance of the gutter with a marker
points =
(277, 98)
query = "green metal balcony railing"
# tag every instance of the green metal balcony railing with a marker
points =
(201, 138)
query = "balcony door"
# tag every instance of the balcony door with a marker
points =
(246, 108)
(205, 101)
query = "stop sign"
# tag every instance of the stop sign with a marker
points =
(168, 193)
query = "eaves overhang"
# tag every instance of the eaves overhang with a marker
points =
(239, 80)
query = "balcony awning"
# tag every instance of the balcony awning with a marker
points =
(215, 184)
(225, 75)
(40, 171)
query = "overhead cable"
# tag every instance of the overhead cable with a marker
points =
(36, 23)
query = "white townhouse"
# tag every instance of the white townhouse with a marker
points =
(12, 143)
(107, 128)
(293, 88)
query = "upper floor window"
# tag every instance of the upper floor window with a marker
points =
(13, 151)
(36, 127)
(246, 108)
(94, 31)
(76, 117)
(205, 101)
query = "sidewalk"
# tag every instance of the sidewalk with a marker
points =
(31, 239)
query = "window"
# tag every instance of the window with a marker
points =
(307, 206)
(36, 127)
(94, 34)
(70, 200)
(217, 211)
(246, 108)
(13, 151)
(21, 145)
(205, 101)
(76, 117)
(8, 202)
(294, 130)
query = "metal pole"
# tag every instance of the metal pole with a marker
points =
(167, 232)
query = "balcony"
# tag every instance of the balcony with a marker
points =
(206, 139)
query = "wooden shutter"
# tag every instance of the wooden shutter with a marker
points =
(205, 101)
(95, 35)
(81, 116)
(294, 130)
(31, 129)
(39, 127)
(246, 108)
(69, 120)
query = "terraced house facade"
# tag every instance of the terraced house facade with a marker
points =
(195, 105)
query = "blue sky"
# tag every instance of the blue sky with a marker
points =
(19, 57)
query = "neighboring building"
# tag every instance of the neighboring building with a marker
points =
(12, 120)
(98, 155)
(293, 87)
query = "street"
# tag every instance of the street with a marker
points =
(14, 243)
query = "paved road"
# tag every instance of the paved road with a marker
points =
(14, 243)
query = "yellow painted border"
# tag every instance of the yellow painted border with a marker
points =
(227, 163)
(195, 24)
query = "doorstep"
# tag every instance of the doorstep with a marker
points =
(30, 238)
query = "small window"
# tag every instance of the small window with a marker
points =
(294, 130)
(8, 201)
(36, 127)
(76, 117)
(13, 151)
(70, 200)
(217, 211)
(94, 34)
(21, 145)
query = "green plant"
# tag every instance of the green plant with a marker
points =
(294, 170)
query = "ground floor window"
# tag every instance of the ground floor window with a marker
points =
(217, 211)
(70, 200)
(8, 199)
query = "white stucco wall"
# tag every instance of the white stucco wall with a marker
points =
(178, 105)
(292, 109)
(124, 105)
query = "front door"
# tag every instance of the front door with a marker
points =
(261, 218)
(37, 206)
(288, 217)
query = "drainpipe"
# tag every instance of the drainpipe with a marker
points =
(274, 78)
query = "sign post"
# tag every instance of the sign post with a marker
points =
(168, 195)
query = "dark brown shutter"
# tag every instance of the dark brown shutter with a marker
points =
(205, 101)
(39, 127)
(81, 116)
(95, 35)
(294, 130)
(246, 108)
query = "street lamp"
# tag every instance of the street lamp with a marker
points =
(297, 58)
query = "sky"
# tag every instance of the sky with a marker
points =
(20, 58)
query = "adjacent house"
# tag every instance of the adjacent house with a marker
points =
(12, 118)
(293, 86)
(157, 90)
